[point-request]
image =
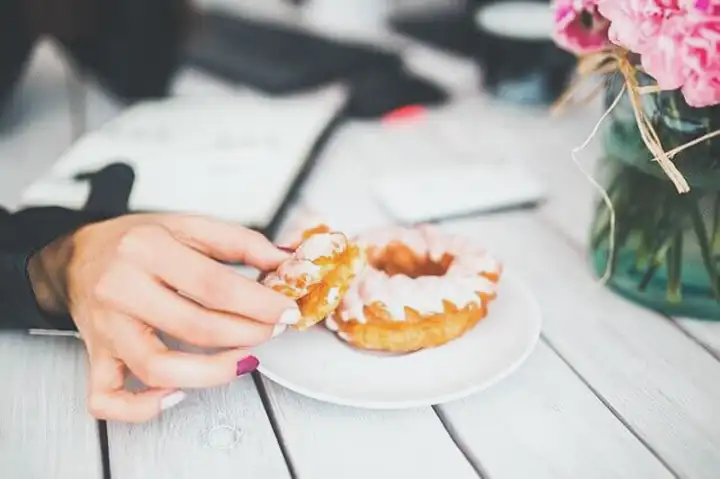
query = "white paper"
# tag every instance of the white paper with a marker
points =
(437, 193)
(229, 157)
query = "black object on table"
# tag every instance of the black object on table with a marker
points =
(278, 59)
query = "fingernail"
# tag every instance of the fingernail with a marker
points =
(172, 399)
(290, 316)
(247, 365)
(278, 330)
(286, 249)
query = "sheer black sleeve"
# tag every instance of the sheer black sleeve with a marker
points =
(21, 235)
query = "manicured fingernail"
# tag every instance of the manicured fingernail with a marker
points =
(290, 316)
(172, 399)
(278, 330)
(287, 249)
(247, 365)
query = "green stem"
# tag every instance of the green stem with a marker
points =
(715, 222)
(705, 252)
(657, 260)
(674, 269)
(621, 235)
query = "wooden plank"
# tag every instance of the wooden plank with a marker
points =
(665, 387)
(223, 432)
(706, 332)
(325, 441)
(545, 415)
(45, 430)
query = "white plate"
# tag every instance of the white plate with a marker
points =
(319, 365)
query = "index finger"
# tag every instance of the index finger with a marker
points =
(226, 241)
(211, 284)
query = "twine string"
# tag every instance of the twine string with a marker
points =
(605, 197)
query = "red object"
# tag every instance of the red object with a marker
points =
(408, 112)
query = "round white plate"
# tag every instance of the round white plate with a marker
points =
(317, 364)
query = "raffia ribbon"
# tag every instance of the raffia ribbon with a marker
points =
(615, 60)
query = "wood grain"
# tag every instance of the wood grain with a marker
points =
(325, 441)
(663, 386)
(45, 430)
(222, 431)
(706, 332)
(546, 416)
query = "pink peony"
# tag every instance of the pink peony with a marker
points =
(707, 7)
(700, 57)
(686, 54)
(678, 41)
(579, 27)
(661, 57)
(635, 24)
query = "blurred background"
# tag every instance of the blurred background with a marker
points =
(431, 85)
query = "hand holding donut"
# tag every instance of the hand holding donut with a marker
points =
(124, 279)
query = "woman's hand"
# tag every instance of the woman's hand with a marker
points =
(124, 279)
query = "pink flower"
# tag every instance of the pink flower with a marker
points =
(579, 27)
(661, 58)
(686, 54)
(635, 24)
(707, 7)
(700, 56)
(678, 41)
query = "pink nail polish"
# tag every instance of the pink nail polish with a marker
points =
(246, 365)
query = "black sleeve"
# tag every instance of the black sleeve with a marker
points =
(21, 235)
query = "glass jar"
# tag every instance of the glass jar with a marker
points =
(667, 244)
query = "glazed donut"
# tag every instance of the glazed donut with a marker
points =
(317, 275)
(420, 289)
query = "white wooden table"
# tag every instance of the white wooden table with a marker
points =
(611, 391)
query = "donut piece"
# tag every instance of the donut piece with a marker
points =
(420, 289)
(318, 273)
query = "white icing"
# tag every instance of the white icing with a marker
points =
(331, 324)
(333, 295)
(319, 245)
(301, 266)
(299, 269)
(460, 285)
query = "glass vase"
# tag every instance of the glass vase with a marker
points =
(667, 244)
